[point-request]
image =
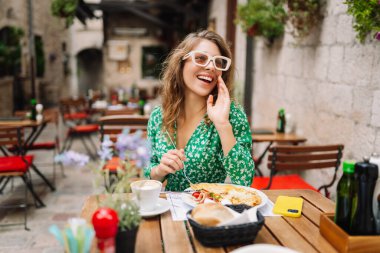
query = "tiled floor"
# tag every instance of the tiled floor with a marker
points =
(65, 202)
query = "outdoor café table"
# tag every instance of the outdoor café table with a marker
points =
(37, 128)
(269, 136)
(301, 234)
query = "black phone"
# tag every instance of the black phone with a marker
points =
(214, 93)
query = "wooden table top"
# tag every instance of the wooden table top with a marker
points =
(50, 115)
(278, 137)
(301, 234)
(21, 123)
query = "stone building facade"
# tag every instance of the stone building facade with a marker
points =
(328, 82)
(54, 83)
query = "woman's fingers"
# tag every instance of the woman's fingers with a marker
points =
(178, 152)
(223, 87)
(220, 84)
(210, 101)
(164, 169)
(173, 161)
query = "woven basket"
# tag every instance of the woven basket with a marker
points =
(227, 235)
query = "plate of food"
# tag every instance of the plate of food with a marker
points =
(223, 193)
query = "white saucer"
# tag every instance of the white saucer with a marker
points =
(263, 248)
(162, 206)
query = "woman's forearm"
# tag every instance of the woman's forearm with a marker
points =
(227, 137)
(155, 175)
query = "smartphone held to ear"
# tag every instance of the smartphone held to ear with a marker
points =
(288, 206)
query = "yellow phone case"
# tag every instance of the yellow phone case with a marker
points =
(288, 206)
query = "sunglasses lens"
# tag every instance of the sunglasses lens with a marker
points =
(220, 63)
(201, 59)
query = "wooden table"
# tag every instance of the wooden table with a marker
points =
(271, 138)
(301, 234)
(37, 128)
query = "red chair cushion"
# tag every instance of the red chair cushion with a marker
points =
(85, 128)
(15, 163)
(36, 146)
(282, 182)
(115, 162)
(112, 164)
(42, 145)
(78, 115)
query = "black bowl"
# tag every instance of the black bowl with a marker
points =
(227, 235)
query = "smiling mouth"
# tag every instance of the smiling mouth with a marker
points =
(206, 79)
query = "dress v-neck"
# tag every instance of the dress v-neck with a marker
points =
(201, 122)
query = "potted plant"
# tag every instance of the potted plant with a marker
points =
(303, 16)
(128, 214)
(127, 155)
(65, 9)
(265, 18)
(366, 16)
(118, 168)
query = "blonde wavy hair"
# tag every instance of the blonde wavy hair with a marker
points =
(173, 85)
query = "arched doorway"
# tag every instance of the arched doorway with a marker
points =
(90, 70)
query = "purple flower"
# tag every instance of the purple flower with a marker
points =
(105, 154)
(72, 158)
(128, 146)
(377, 35)
(107, 142)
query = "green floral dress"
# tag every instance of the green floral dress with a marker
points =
(204, 153)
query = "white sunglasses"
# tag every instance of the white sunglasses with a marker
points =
(203, 59)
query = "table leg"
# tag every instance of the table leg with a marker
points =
(29, 142)
(33, 137)
(43, 177)
(260, 159)
(37, 201)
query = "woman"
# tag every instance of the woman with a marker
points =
(198, 135)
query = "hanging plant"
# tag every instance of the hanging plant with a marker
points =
(303, 15)
(65, 9)
(367, 17)
(265, 18)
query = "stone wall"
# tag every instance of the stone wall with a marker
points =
(329, 83)
(6, 94)
(112, 77)
(53, 33)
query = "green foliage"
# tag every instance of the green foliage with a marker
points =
(65, 9)
(366, 14)
(268, 17)
(116, 185)
(265, 18)
(127, 211)
(303, 15)
(10, 50)
(40, 56)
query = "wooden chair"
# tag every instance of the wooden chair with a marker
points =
(74, 109)
(75, 116)
(52, 145)
(18, 165)
(282, 158)
(114, 125)
(125, 111)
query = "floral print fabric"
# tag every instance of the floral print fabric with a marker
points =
(205, 160)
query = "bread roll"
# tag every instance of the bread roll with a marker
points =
(210, 214)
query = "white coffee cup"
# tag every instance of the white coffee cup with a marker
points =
(147, 192)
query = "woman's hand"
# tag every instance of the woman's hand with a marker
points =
(171, 162)
(219, 113)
